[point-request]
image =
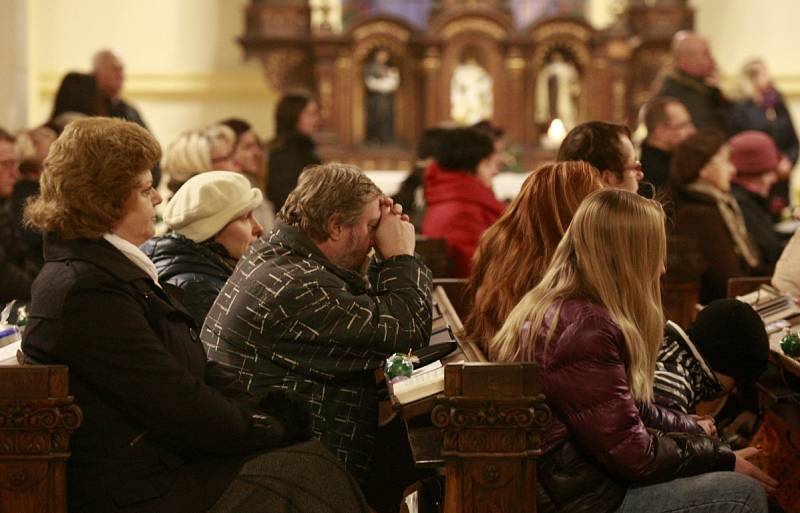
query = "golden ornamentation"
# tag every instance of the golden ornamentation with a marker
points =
(381, 28)
(343, 62)
(619, 50)
(580, 52)
(515, 63)
(484, 25)
(279, 66)
(618, 100)
(325, 98)
(562, 28)
(364, 48)
(431, 63)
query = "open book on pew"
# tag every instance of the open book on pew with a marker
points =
(444, 348)
(773, 306)
(424, 382)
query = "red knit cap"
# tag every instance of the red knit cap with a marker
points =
(754, 152)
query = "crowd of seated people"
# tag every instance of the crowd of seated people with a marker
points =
(225, 355)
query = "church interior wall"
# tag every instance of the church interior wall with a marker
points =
(183, 65)
(185, 69)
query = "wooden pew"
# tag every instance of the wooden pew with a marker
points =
(483, 431)
(680, 286)
(434, 254)
(492, 416)
(37, 417)
(455, 289)
(452, 318)
(746, 284)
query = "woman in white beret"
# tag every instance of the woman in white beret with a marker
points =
(211, 226)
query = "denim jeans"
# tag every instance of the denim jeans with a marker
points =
(715, 492)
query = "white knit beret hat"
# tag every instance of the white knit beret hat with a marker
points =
(208, 201)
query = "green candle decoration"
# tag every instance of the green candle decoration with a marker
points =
(790, 344)
(398, 365)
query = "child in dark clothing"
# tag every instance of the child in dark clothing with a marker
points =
(711, 368)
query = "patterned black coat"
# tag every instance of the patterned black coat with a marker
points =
(290, 318)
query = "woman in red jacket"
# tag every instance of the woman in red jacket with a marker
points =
(594, 325)
(458, 191)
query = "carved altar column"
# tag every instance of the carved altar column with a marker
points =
(492, 416)
(431, 65)
(515, 65)
(330, 110)
(37, 417)
(654, 22)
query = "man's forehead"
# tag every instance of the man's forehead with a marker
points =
(371, 211)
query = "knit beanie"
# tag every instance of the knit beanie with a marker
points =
(754, 152)
(208, 201)
(731, 337)
(693, 154)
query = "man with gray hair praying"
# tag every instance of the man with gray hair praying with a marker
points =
(301, 313)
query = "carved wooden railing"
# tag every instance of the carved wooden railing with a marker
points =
(492, 417)
(37, 417)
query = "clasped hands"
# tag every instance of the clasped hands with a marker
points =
(395, 233)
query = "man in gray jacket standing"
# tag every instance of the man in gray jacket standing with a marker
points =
(307, 309)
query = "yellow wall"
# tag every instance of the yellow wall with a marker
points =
(740, 29)
(185, 68)
(183, 65)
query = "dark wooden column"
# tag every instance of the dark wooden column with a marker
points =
(492, 416)
(37, 417)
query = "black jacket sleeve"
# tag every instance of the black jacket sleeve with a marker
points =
(106, 339)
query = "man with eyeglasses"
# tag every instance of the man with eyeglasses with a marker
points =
(668, 124)
(15, 283)
(608, 147)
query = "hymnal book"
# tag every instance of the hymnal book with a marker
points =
(772, 305)
(424, 382)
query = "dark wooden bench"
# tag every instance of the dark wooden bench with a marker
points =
(491, 416)
(745, 284)
(37, 418)
(482, 432)
(434, 254)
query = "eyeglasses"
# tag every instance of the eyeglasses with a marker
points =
(635, 167)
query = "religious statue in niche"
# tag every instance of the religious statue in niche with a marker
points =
(557, 90)
(471, 97)
(381, 80)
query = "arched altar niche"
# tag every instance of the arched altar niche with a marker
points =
(479, 33)
(612, 66)
(393, 35)
(572, 38)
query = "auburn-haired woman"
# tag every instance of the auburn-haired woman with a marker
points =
(163, 430)
(524, 238)
(594, 325)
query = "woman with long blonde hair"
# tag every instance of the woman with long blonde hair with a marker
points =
(525, 238)
(594, 325)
